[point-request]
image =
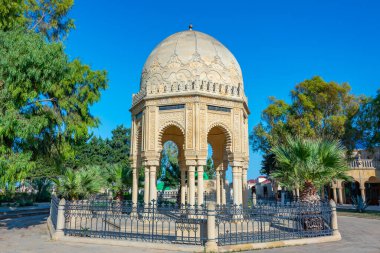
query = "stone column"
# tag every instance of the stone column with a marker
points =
(340, 195)
(217, 181)
(254, 199)
(200, 184)
(240, 180)
(191, 180)
(334, 219)
(152, 184)
(59, 232)
(244, 183)
(146, 185)
(211, 245)
(183, 186)
(282, 196)
(235, 184)
(334, 193)
(362, 190)
(134, 185)
(223, 185)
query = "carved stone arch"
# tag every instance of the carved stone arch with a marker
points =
(227, 133)
(165, 126)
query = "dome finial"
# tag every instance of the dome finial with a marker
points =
(191, 27)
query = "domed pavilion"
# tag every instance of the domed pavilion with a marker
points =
(191, 93)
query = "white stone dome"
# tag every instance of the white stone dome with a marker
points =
(190, 56)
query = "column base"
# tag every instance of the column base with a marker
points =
(58, 234)
(211, 246)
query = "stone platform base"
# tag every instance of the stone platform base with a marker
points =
(192, 248)
(268, 245)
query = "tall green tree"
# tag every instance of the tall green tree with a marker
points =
(170, 173)
(47, 17)
(45, 104)
(120, 144)
(367, 122)
(12, 14)
(319, 109)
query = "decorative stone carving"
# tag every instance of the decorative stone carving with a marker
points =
(169, 116)
(203, 127)
(189, 127)
(190, 61)
(237, 131)
(152, 128)
(219, 117)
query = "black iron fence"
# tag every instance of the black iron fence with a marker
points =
(171, 223)
(143, 222)
(272, 222)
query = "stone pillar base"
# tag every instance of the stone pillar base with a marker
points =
(58, 234)
(211, 246)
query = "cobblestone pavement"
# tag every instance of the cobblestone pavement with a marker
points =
(29, 234)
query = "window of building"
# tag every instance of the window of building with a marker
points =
(218, 108)
(139, 115)
(171, 107)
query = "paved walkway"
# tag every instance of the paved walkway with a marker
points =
(29, 235)
(369, 208)
(36, 206)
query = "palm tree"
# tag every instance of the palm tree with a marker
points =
(309, 164)
(80, 184)
(119, 178)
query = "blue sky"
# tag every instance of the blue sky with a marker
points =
(277, 43)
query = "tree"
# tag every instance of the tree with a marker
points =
(367, 122)
(42, 186)
(81, 184)
(11, 14)
(91, 151)
(319, 109)
(309, 164)
(45, 104)
(170, 173)
(118, 178)
(47, 17)
(209, 169)
(120, 144)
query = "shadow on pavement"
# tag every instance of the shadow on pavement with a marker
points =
(23, 222)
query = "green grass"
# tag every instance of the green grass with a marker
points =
(353, 213)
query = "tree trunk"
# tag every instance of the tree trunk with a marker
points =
(120, 195)
(311, 220)
(309, 193)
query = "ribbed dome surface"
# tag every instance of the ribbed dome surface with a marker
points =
(190, 56)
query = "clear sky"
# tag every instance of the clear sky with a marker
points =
(277, 43)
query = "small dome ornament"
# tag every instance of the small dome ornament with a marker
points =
(190, 27)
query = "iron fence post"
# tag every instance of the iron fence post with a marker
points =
(153, 207)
